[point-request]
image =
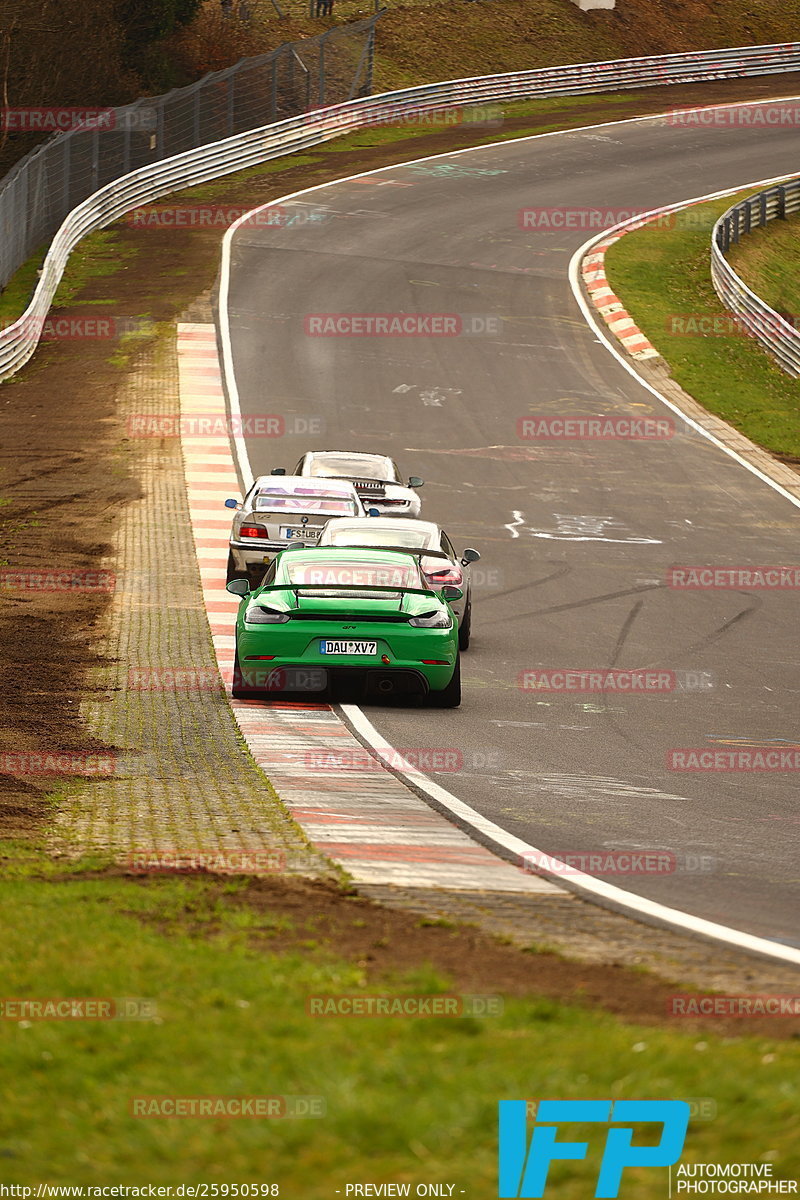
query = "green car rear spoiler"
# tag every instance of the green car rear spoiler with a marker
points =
(341, 587)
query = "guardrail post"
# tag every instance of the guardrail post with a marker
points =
(735, 225)
(747, 216)
(274, 88)
(781, 204)
(762, 209)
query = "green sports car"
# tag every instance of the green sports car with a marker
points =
(363, 619)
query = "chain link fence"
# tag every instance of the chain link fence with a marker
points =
(39, 192)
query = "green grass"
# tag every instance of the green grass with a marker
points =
(16, 295)
(406, 1099)
(663, 273)
(768, 260)
(97, 256)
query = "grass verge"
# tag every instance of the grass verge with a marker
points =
(406, 1099)
(768, 260)
(661, 274)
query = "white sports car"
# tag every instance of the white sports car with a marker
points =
(375, 476)
(278, 512)
(440, 566)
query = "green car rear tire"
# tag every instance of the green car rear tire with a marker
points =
(449, 697)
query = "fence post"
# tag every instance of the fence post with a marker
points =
(747, 216)
(275, 87)
(126, 140)
(160, 148)
(735, 224)
(781, 203)
(95, 160)
(321, 97)
(66, 169)
(196, 119)
(762, 209)
(230, 103)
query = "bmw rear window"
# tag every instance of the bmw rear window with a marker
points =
(340, 504)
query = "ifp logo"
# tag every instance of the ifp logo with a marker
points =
(523, 1169)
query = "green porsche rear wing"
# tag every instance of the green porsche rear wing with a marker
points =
(346, 587)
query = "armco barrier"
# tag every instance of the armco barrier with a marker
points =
(18, 341)
(773, 331)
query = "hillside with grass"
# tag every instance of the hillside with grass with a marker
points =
(425, 40)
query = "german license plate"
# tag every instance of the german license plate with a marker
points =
(340, 646)
(292, 531)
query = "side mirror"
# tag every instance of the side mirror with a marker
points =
(239, 587)
(452, 593)
(374, 512)
(415, 481)
(469, 556)
(278, 471)
(231, 503)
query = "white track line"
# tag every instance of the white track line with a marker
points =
(604, 893)
(596, 889)
(598, 326)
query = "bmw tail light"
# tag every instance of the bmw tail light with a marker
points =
(254, 531)
(440, 574)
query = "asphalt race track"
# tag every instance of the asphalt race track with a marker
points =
(576, 536)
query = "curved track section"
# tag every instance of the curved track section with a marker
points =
(577, 536)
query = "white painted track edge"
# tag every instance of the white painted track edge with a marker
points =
(602, 893)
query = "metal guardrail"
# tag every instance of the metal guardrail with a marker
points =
(201, 164)
(775, 333)
(102, 145)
